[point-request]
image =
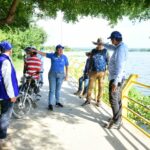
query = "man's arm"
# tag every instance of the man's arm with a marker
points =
(67, 69)
(48, 55)
(25, 67)
(120, 62)
(6, 74)
(86, 68)
(109, 46)
(41, 53)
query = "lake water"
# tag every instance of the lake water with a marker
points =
(138, 63)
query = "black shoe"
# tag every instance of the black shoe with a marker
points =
(41, 83)
(83, 96)
(110, 119)
(113, 125)
(98, 104)
(109, 124)
(116, 125)
(86, 103)
(59, 105)
(78, 93)
(50, 107)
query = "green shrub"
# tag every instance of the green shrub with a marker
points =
(21, 38)
(142, 111)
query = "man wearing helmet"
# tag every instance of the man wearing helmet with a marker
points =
(116, 76)
(8, 90)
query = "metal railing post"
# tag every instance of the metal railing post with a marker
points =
(127, 86)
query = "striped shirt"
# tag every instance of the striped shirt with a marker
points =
(33, 66)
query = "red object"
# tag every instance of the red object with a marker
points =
(33, 66)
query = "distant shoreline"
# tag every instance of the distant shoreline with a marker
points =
(130, 49)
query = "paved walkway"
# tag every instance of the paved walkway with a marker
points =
(72, 127)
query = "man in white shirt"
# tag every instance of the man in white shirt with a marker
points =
(116, 69)
(8, 90)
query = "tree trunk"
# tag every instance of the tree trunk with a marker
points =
(11, 13)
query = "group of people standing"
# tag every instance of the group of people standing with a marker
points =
(95, 69)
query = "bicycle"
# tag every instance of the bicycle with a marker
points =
(28, 96)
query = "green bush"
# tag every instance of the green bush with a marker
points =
(21, 38)
(142, 111)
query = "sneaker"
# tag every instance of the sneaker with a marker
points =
(41, 83)
(83, 96)
(116, 125)
(50, 107)
(98, 104)
(110, 119)
(59, 105)
(5, 144)
(77, 93)
(113, 125)
(86, 103)
(109, 124)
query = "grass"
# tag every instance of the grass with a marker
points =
(18, 65)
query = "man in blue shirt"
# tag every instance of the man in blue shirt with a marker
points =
(58, 72)
(116, 76)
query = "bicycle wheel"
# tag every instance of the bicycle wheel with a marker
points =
(22, 107)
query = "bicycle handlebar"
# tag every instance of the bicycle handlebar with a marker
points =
(35, 73)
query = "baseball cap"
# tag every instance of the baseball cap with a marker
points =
(59, 46)
(5, 45)
(115, 34)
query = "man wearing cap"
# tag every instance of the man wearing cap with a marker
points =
(116, 76)
(8, 89)
(97, 68)
(57, 74)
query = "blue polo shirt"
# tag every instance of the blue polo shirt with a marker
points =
(57, 62)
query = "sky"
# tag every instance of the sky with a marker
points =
(82, 33)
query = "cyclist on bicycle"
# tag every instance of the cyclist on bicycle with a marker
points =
(32, 64)
(32, 67)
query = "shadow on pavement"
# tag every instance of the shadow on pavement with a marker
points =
(70, 114)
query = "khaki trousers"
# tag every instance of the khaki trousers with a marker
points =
(93, 77)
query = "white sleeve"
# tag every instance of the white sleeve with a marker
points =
(120, 63)
(6, 74)
(109, 46)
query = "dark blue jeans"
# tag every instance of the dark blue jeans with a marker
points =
(55, 83)
(86, 84)
(6, 112)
